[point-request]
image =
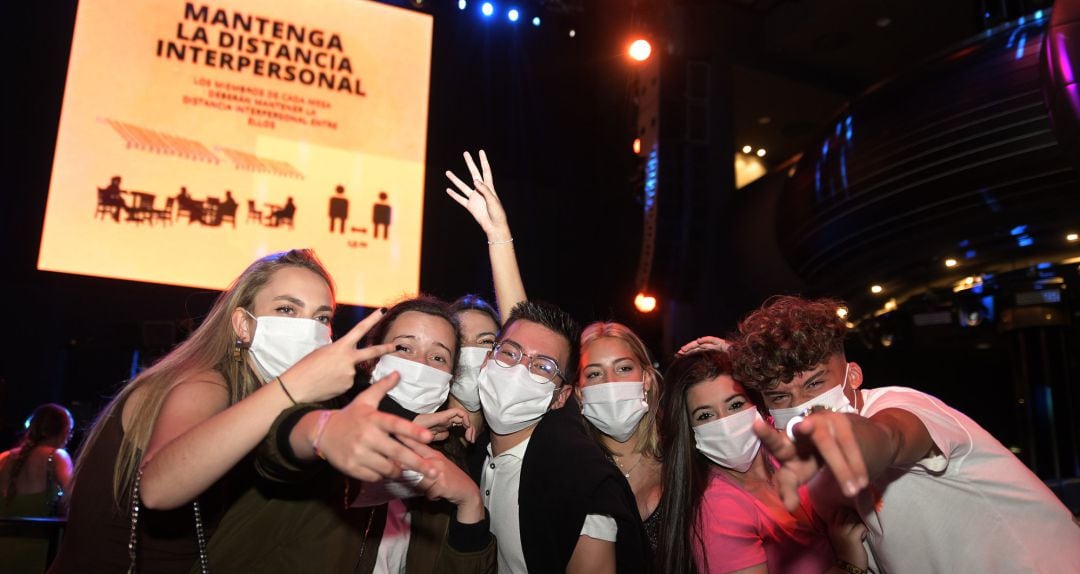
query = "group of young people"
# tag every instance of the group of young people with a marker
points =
(454, 437)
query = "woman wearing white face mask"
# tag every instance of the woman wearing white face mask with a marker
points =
(721, 512)
(175, 430)
(479, 329)
(369, 525)
(618, 389)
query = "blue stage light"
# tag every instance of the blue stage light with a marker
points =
(487, 8)
(461, 4)
(513, 15)
(536, 21)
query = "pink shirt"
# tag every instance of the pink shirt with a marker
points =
(739, 532)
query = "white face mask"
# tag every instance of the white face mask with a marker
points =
(730, 441)
(615, 408)
(466, 386)
(280, 342)
(422, 389)
(511, 398)
(834, 399)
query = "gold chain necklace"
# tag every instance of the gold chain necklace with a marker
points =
(626, 472)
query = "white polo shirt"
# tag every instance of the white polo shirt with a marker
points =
(500, 486)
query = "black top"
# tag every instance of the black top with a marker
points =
(564, 477)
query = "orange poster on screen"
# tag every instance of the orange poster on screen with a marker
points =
(197, 136)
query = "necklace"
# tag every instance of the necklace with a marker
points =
(626, 471)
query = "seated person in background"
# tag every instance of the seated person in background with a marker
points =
(287, 212)
(34, 477)
(227, 208)
(186, 203)
(113, 196)
(936, 492)
(720, 515)
(556, 503)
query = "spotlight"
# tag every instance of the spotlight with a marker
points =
(487, 8)
(747, 149)
(875, 289)
(1072, 237)
(645, 303)
(573, 33)
(640, 50)
(536, 21)
(513, 15)
(761, 152)
(637, 146)
(950, 262)
(461, 4)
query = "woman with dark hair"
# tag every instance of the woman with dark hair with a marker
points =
(310, 516)
(720, 511)
(479, 330)
(34, 477)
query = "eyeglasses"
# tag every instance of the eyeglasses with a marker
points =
(541, 369)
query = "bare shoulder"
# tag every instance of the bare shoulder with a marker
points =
(62, 456)
(207, 387)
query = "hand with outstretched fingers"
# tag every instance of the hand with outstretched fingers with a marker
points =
(821, 439)
(365, 443)
(329, 371)
(440, 423)
(480, 199)
(449, 483)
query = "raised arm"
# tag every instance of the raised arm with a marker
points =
(483, 203)
(198, 437)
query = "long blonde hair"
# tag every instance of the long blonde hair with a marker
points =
(212, 346)
(649, 443)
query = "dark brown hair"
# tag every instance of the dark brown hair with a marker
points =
(685, 470)
(787, 336)
(554, 319)
(425, 304)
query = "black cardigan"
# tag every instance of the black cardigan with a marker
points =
(564, 477)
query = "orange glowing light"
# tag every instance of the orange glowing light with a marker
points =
(645, 303)
(640, 50)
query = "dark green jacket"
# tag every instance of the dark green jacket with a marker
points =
(296, 518)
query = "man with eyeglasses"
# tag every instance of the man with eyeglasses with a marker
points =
(556, 504)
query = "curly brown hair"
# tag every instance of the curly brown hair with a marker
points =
(787, 336)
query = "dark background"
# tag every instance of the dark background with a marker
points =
(556, 115)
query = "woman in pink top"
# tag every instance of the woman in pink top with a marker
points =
(720, 511)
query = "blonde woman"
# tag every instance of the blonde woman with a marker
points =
(177, 429)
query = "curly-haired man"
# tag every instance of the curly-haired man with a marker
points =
(936, 491)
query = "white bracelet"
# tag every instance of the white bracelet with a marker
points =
(511, 240)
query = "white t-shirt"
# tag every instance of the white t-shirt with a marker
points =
(499, 486)
(974, 508)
